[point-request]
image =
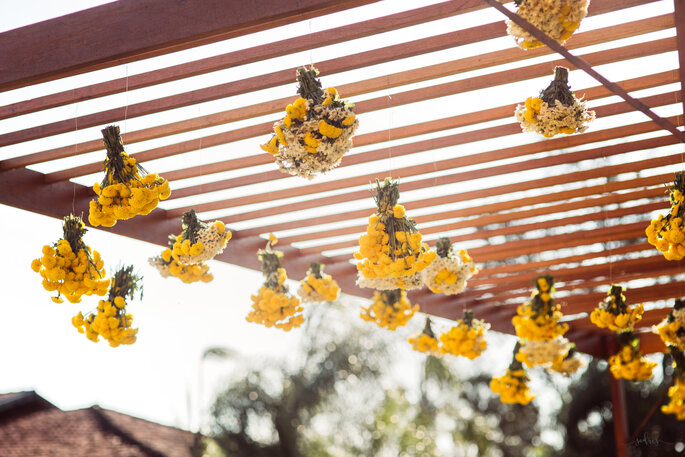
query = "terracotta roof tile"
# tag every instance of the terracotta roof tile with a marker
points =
(91, 432)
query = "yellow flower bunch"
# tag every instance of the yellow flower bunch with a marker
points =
(316, 131)
(558, 19)
(538, 319)
(467, 338)
(70, 267)
(199, 242)
(449, 272)
(392, 247)
(317, 286)
(111, 321)
(425, 341)
(273, 305)
(667, 233)
(513, 386)
(676, 393)
(541, 352)
(569, 363)
(389, 309)
(127, 189)
(672, 329)
(676, 396)
(556, 110)
(613, 312)
(168, 266)
(629, 362)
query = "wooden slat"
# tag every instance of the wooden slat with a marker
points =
(545, 198)
(375, 84)
(222, 138)
(268, 51)
(496, 218)
(130, 30)
(587, 67)
(592, 93)
(679, 20)
(448, 179)
(563, 221)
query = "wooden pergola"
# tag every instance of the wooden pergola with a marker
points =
(573, 206)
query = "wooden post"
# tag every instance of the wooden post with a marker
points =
(679, 16)
(618, 402)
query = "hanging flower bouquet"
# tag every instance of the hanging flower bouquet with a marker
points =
(273, 306)
(316, 131)
(676, 393)
(558, 19)
(199, 242)
(389, 309)
(629, 362)
(391, 254)
(569, 363)
(540, 352)
(425, 341)
(127, 189)
(317, 286)
(448, 273)
(513, 386)
(667, 233)
(537, 319)
(168, 266)
(111, 321)
(672, 329)
(556, 110)
(613, 313)
(70, 267)
(467, 338)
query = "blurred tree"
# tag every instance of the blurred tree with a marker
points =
(342, 399)
(587, 422)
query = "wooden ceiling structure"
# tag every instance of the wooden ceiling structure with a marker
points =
(572, 206)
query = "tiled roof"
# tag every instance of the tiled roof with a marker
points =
(91, 432)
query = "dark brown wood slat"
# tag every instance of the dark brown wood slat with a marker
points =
(545, 198)
(434, 182)
(213, 140)
(263, 52)
(402, 98)
(497, 218)
(394, 151)
(93, 39)
(508, 230)
(581, 63)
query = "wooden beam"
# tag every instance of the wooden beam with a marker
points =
(262, 52)
(544, 198)
(371, 85)
(679, 19)
(371, 156)
(25, 189)
(434, 182)
(130, 30)
(587, 68)
(618, 404)
(498, 218)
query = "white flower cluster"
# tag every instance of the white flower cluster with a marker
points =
(558, 19)
(541, 352)
(552, 120)
(213, 241)
(448, 275)
(162, 266)
(402, 282)
(568, 365)
(295, 159)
